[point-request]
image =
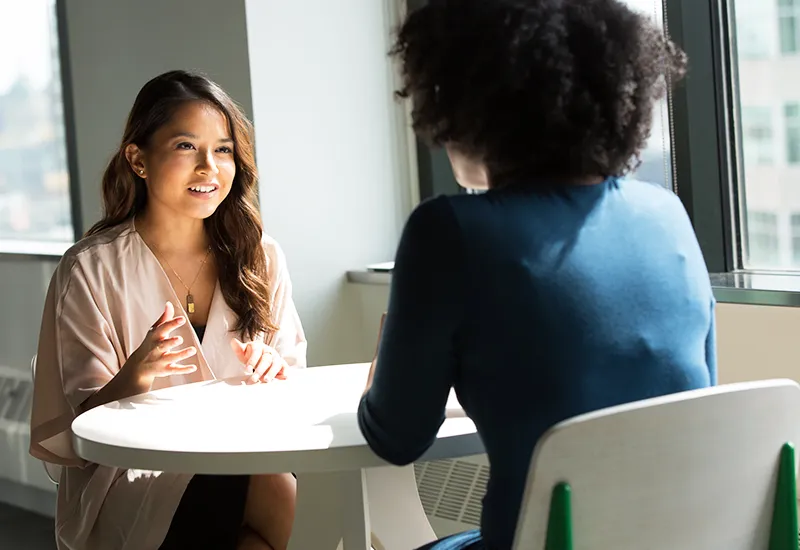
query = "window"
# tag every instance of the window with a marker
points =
(788, 25)
(791, 114)
(763, 239)
(767, 95)
(796, 240)
(757, 136)
(656, 157)
(35, 209)
(756, 27)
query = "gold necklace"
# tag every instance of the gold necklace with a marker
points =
(189, 297)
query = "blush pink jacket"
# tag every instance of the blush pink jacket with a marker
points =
(106, 293)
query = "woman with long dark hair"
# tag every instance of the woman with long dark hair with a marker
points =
(177, 283)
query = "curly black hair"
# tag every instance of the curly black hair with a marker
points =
(539, 90)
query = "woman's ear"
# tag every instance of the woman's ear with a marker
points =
(135, 158)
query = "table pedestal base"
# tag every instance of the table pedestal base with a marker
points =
(377, 506)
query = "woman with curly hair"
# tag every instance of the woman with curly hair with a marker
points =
(566, 287)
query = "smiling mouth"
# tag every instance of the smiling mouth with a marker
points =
(203, 189)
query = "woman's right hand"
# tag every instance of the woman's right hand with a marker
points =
(154, 358)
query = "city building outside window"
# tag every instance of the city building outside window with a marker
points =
(35, 209)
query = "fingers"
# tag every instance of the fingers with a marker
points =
(274, 369)
(264, 362)
(171, 357)
(262, 366)
(261, 362)
(168, 363)
(239, 349)
(169, 343)
(162, 331)
(268, 367)
(173, 370)
(252, 355)
(169, 311)
(166, 315)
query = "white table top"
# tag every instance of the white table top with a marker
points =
(304, 424)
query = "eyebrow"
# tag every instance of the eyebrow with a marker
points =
(192, 136)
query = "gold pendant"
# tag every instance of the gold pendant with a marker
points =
(190, 303)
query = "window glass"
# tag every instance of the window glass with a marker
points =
(34, 180)
(788, 14)
(768, 90)
(763, 230)
(757, 134)
(796, 239)
(656, 157)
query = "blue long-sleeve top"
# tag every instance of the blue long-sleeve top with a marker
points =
(536, 306)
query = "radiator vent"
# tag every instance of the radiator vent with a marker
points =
(16, 394)
(452, 489)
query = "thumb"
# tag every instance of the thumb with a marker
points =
(166, 315)
(250, 357)
(239, 349)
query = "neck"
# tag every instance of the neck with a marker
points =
(171, 234)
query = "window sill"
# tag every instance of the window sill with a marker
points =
(759, 289)
(369, 277)
(35, 250)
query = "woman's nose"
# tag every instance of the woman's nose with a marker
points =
(207, 164)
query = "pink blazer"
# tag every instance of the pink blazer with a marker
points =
(107, 291)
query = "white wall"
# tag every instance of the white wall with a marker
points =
(331, 149)
(115, 47)
(23, 284)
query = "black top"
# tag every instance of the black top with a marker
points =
(201, 331)
(536, 306)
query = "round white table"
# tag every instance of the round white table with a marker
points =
(306, 425)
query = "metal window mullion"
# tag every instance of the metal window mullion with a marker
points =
(704, 110)
(69, 118)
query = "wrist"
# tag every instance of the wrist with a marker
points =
(137, 380)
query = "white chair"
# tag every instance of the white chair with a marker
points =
(53, 471)
(712, 469)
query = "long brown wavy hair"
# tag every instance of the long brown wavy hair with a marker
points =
(234, 229)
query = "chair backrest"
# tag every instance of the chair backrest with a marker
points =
(691, 471)
(53, 471)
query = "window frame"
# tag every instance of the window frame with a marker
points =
(705, 116)
(789, 12)
(791, 126)
(50, 252)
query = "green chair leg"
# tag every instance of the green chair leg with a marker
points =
(559, 522)
(784, 532)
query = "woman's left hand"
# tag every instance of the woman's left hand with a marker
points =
(264, 362)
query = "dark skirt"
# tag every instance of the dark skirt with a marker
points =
(210, 514)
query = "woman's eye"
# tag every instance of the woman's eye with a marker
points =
(185, 145)
(225, 149)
